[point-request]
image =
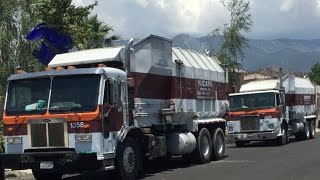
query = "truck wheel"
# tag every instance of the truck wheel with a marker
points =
(282, 140)
(312, 129)
(218, 144)
(306, 133)
(2, 173)
(128, 159)
(240, 143)
(40, 175)
(203, 149)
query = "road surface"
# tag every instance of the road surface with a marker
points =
(298, 160)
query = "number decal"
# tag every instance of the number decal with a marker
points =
(76, 125)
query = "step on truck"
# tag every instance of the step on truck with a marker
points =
(272, 110)
(113, 108)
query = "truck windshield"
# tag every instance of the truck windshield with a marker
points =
(251, 101)
(29, 96)
(74, 93)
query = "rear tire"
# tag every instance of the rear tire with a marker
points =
(203, 149)
(128, 160)
(312, 129)
(218, 144)
(306, 133)
(40, 175)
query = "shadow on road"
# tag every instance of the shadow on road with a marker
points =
(265, 143)
(151, 168)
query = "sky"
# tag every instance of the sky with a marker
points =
(272, 19)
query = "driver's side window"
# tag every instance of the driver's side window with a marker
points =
(107, 95)
(278, 99)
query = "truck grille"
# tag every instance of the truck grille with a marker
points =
(250, 123)
(46, 133)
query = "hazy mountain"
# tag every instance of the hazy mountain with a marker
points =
(295, 55)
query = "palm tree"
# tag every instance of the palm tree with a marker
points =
(98, 34)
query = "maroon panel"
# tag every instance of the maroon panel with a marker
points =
(300, 99)
(151, 86)
(168, 87)
(15, 129)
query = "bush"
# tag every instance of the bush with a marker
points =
(1, 138)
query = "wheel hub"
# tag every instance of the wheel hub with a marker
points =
(205, 145)
(219, 144)
(129, 159)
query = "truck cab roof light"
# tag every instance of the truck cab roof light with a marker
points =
(48, 69)
(71, 67)
(101, 65)
(59, 68)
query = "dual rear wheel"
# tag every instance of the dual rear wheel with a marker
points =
(209, 147)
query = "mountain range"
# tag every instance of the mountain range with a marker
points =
(292, 54)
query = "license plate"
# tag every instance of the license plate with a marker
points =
(46, 165)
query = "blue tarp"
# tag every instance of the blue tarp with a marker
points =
(53, 42)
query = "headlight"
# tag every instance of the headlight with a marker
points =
(270, 126)
(83, 137)
(14, 139)
(230, 129)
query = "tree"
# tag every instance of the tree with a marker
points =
(17, 18)
(314, 75)
(99, 32)
(231, 51)
(64, 16)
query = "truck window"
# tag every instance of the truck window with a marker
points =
(77, 93)
(106, 96)
(28, 96)
(278, 99)
(247, 101)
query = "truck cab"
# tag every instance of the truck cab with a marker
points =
(254, 115)
(272, 110)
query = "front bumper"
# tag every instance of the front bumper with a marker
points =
(62, 161)
(253, 136)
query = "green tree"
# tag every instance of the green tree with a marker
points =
(314, 75)
(86, 31)
(99, 34)
(231, 51)
(17, 19)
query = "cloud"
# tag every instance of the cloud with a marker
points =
(271, 18)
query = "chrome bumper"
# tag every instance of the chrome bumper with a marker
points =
(252, 136)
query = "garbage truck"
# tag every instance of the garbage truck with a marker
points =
(113, 108)
(272, 110)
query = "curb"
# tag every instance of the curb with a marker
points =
(16, 173)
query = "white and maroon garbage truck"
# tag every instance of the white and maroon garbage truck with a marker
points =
(273, 110)
(113, 107)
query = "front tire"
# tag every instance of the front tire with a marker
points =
(40, 175)
(128, 159)
(203, 149)
(312, 129)
(218, 144)
(284, 139)
(1, 172)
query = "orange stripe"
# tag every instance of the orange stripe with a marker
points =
(83, 116)
(273, 112)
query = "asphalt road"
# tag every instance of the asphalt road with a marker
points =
(298, 160)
